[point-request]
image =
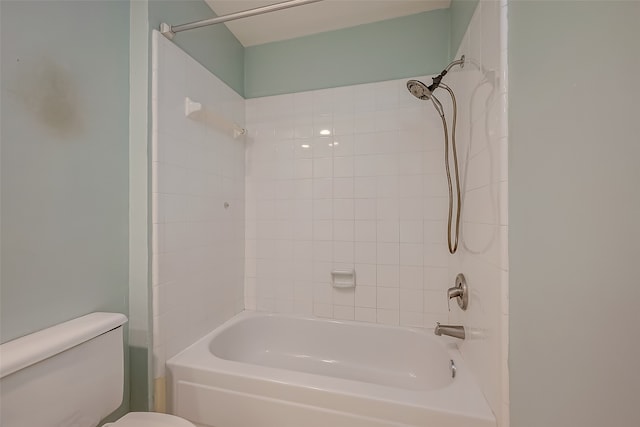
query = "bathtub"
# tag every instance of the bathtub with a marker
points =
(267, 370)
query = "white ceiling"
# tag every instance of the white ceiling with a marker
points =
(313, 18)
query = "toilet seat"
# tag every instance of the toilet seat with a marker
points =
(150, 419)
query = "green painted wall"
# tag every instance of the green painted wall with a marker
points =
(461, 14)
(64, 156)
(215, 47)
(574, 206)
(393, 49)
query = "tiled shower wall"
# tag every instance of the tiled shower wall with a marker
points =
(372, 195)
(347, 178)
(481, 88)
(198, 203)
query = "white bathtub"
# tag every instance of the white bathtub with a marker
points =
(264, 370)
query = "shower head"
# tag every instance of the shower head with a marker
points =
(419, 89)
(424, 92)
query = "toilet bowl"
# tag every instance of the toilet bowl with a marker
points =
(150, 419)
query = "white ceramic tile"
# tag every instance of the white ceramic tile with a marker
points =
(410, 186)
(343, 312)
(388, 231)
(411, 208)
(323, 310)
(388, 275)
(411, 300)
(411, 254)
(343, 166)
(365, 231)
(364, 122)
(322, 188)
(303, 168)
(343, 297)
(303, 250)
(304, 189)
(387, 317)
(365, 187)
(481, 205)
(412, 319)
(409, 164)
(388, 253)
(365, 209)
(343, 252)
(323, 209)
(388, 298)
(343, 209)
(435, 232)
(387, 209)
(366, 165)
(365, 296)
(322, 167)
(366, 274)
(411, 231)
(343, 230)
(363, 314)
(322, 250)
(343, 188)
(481, 169)
(364, 144)
(435, 255)
(436, 278)
(343, 125)
(322, 269)
(387, 187)
(365, 252)
(436, 301)
(411, 277)
(435, 208)
(322, 293)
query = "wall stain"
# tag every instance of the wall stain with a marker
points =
(48, 91)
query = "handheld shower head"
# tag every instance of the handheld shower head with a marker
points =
(425, 93)
(419, 89)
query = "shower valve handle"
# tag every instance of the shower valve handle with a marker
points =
(460, 291)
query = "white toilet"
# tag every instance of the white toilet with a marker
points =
(70, 375)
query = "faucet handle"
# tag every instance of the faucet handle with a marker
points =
(460, 292)
(454, 292)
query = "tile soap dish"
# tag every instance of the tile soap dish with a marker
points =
(343, 278)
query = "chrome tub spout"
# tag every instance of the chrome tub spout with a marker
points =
(450, 330)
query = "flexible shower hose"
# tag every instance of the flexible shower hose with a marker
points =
(453, 246)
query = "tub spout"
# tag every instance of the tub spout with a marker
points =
(450, 330)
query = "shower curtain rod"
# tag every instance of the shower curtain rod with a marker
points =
(170, 31)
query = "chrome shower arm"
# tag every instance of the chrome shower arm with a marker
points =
(459, 62)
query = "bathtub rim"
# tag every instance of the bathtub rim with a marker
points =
(198, 359)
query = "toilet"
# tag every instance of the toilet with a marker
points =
(71, 375)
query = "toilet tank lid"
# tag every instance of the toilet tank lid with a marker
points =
(33, 348)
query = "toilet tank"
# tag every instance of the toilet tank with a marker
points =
(68, 375)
